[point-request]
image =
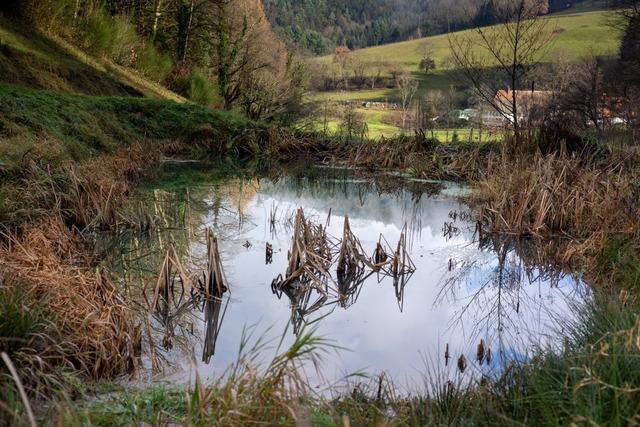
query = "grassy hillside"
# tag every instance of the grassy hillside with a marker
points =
(31, 59)
(60, 105)
(79, 126)
(577, 34)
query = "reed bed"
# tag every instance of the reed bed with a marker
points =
(89, 195)
(425, 157)
(561, 196)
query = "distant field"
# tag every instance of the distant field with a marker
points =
(578, 34)
(378, 126)
(375, 122)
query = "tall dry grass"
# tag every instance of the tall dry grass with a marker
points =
(87, 328)
(422, 156)
(95, 331)
(562, 196)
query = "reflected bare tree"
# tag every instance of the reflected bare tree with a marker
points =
(493, 291)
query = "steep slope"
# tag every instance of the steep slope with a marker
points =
(31, 59)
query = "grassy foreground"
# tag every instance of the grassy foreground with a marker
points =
(592, 382)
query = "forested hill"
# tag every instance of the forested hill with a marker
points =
(317, 26)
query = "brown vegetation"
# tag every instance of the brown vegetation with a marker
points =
(89, 329)
(94, 328)
(561, 196)
(87, 195)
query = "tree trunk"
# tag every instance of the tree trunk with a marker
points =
(156, 19)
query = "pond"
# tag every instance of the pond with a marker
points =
(462, 288)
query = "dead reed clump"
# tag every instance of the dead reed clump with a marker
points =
(309, 281)
(351, 258)
(96, 190)
(97, 334)
(284, 145)
(177, 294)
(556, 196)
(310, 256)
(172, 298)
(216, 286)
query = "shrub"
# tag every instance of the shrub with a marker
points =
(152, 63)
(51, 15)
(111, 36)
(201, 89)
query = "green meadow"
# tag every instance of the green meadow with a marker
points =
(576, 34)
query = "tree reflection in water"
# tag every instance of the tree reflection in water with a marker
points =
(494, 291)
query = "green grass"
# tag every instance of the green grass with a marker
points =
(88, 125)
(133, 407)
(467, 135)
(18, 323)
(592, 379)
(578, 33)
(45, 130)
(377, 121)
(379, 125)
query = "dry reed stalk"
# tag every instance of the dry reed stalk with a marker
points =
(215, 286)
(309, 258)
(309, 269)
(307, 274)
(555, 196)
(351, 258)
(268, 257)
(173, 279)
(394, 263)
(87, 195)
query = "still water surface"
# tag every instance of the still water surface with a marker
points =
(462, 290)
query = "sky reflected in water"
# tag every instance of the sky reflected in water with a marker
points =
(461, 292)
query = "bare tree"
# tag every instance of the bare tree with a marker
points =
(626, 18)
(342, 58)
(376, 72)
(494, 57)
(427, 61)
(585, 93)
(407, 87)
(433, 106)
(359, 69)
(395, 70)
(353, 125)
